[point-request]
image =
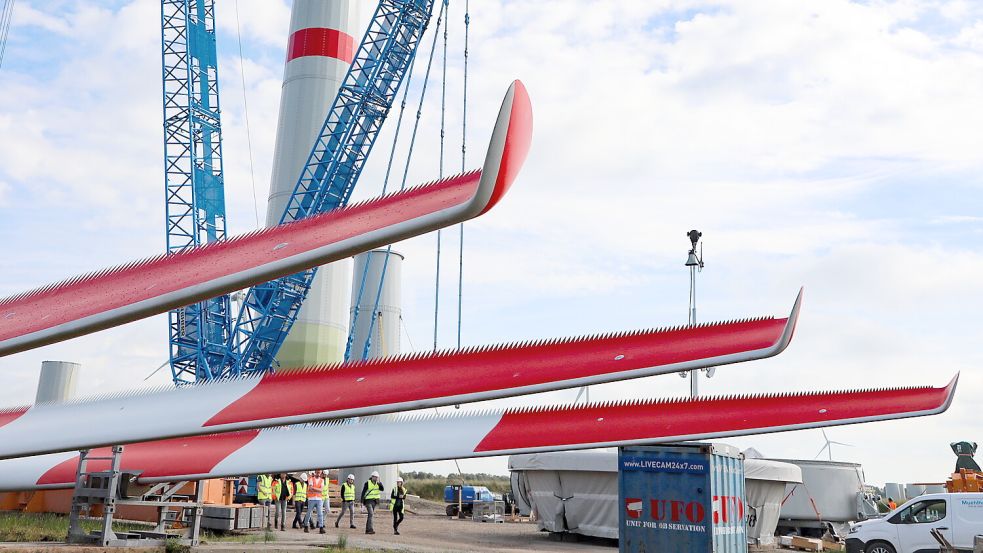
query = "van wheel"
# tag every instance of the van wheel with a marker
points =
(451, 510)
(879, 547)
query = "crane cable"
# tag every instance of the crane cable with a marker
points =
(6, 15)
(357, 306)
(245, 109)
(443, 118)
(406, 169)
(464, 151)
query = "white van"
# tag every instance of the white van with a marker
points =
(958, 516)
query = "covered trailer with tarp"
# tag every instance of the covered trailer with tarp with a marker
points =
(765, 488)
(831, 496)
(577, 492)
(569, 491)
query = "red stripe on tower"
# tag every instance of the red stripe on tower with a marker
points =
(318, 41)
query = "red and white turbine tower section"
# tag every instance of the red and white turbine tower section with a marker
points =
(322, 41)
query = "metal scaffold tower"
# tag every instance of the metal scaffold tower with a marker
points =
(194, 183)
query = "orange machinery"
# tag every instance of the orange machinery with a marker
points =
(965, 481)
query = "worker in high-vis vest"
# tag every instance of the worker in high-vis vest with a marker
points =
(315, 501)
(264, 494)
(347, 501)
(283, 493)
(371, 492)
(300, 499)
(397, 504)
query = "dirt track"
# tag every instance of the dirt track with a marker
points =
(426, 533)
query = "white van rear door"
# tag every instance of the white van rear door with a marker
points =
(967, 519)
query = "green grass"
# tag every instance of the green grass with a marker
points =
(22, 527)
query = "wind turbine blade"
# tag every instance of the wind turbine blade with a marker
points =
(461, 435)
(387, 385)
(139, 289)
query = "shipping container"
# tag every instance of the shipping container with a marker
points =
(686, 498)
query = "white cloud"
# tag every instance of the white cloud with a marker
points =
(263, 21)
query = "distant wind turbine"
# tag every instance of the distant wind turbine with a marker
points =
(828, 447)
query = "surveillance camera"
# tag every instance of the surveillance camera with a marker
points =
(694, 237)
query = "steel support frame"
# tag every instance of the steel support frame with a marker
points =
(105, 488)
(194, 182)
(95, 488)
(332, 170)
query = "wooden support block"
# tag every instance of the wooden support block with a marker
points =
(807, 544)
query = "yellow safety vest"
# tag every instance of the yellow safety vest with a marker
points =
(392, 500)
(347, 491)
(278, 487)
(263, 487)
(373, 491)
(300, 493)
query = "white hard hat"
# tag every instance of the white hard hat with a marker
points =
(303, 476)
(351, 477)
(375, 473)
(399, 478)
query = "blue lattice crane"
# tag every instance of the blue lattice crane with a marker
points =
(194, 183)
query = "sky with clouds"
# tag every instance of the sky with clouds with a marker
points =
(833, 145)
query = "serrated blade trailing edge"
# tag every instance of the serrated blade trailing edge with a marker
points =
(428, 436)
(387, 385)
(139, 289)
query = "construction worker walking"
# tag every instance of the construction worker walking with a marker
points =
(397, 504)
(300, 499)
(315, 501)
(371, 492)
(264, 494)
(283, 493)
(347, 501)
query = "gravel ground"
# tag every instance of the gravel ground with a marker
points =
(426, 533)
(426, 529)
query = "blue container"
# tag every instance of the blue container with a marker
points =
(681, 499)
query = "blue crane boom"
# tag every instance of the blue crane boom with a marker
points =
(194, 182)
(329, 176)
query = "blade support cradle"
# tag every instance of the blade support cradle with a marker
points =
(387, 385)
(485, 433)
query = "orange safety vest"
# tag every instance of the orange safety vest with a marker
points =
(315, 487)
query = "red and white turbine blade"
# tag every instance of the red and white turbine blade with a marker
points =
(428, 437)
(140, 289)
(386, 385)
